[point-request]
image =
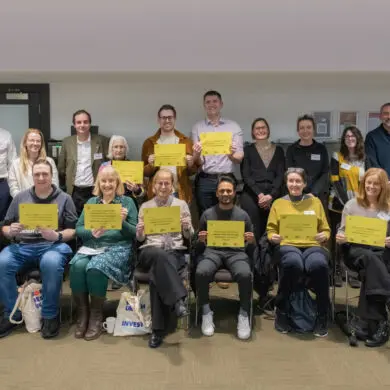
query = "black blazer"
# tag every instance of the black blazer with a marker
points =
(259, 179)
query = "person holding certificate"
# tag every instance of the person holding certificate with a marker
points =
(230, 253)
(371, 262)
(162, 254)
(262, 170)
(212, 166)
(347, 168)
(44, 246)
(168, 135)
(32, 148)
(117, 151)
(312, 156)
(104, 255)
(298, 225)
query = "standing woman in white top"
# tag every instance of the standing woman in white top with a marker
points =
(32, 148)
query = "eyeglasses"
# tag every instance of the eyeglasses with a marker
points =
(167, 118)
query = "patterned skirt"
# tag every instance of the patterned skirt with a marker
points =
(114, 262)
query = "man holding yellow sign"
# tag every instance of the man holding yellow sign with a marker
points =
(365, 239)
(39, 221)
(169, 149)
(218, 147)
(225, 229)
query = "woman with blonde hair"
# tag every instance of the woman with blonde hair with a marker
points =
(163, 256)
(371, 262)
(32, 148)
(104, 255)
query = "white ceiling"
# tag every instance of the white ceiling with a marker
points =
(195, 35)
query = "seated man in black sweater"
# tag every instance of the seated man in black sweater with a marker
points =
(234, 259)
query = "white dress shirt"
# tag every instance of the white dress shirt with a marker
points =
(84, 175)
(7, 153)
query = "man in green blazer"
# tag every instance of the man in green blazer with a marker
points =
(80, 158)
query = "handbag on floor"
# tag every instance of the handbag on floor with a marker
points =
(133, 315)
(29, 303)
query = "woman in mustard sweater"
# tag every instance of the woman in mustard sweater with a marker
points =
(300, 255)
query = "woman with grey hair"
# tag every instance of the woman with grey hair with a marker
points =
(117, 150)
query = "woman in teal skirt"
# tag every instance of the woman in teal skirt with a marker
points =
(104, 255)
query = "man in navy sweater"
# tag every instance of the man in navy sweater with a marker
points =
(377, 142)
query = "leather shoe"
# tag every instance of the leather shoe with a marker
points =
(155, 340)
(380, 337)
(181, 309)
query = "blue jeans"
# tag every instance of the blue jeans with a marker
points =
(49, 257)
(205, 191)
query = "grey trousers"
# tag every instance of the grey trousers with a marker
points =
(236, 262)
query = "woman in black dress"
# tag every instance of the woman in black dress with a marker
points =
(262, 171)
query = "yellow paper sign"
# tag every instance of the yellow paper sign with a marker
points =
(32, 215)
(106, 216)
(161, 220)
(367, 231)
(173, 155)
(216, 143)
(132, 171)
(226, 233)
(298, 227)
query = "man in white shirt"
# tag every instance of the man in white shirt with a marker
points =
(7, 155)
(212, 167)
(80, 158)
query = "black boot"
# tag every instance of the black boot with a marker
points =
(380, 337)
(156, 339)
(338, 277)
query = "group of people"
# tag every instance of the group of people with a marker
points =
(274, 185)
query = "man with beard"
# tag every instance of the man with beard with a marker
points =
(234, 259)
(377, 143)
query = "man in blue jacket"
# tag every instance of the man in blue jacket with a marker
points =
(377, 142)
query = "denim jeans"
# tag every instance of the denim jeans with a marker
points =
(49, 257)
(205, 191)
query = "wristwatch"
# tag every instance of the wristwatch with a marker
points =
(60, 236)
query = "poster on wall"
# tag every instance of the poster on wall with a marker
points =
(323, 120)
(347, 118)
(373, 120)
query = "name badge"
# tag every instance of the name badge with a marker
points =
(345, 166)
(384, 216)
(316, 157)
(98, 156)
(309, 212)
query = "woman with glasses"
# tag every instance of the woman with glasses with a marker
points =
(32, 148)
(312, 156)
(300, 255)
(163, 256)
(371, 262)
(347, 168)
(118, 149)
(262, 171)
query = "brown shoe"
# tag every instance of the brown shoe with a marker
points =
(95, 318)
(82, 302)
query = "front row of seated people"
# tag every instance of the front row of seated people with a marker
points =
(106, 254)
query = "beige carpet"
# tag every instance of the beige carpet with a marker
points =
(270, 361)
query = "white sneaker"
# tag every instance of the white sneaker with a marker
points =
(243, 328)
(208, 324)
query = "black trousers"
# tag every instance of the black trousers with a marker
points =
(297, 263)
(258, 215)
(165, 283)
(335, 219)
(80, 196)
(238, 265)
(373, 266)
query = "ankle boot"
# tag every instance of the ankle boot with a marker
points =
(95, 318)
(82, 302)
(380, 337)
